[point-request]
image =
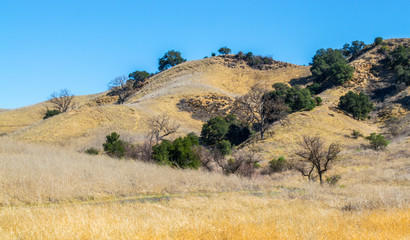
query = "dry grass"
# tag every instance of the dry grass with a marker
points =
(223, 217)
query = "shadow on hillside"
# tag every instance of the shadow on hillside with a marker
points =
(405, 102)
(300, 81)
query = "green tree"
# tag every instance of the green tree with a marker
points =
(399, 61)
(295, 97)
(377, 141)
(378, 41)
(330, 68)
(214, 131)
(170, 59)
(138, 77)
(353, 50)
(359, 105)
(113, 146)
(178, 153)
(224, 50)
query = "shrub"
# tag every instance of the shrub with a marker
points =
(333, 180)
(224, 147)
(318, 101)
(399, 60)
(50, 113)
(214, 131)
(353, 50)
(92, 151)
(314, 88)
(213, 54)
(178, 153)
(378, 41)
(298, 99)
(113, 146)
(383, 49)
(138, 77)
(224, 50)
(358, 105)
(277, 165)
(377, 141)
(330, 68)
(356, 134)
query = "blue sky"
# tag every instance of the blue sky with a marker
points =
(83, 44)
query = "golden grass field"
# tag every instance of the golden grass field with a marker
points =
(50, 189)
(54, 193)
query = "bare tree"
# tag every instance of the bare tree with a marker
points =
(62, 100)
(121, 87)
(256, 107)
(243, 163)
(315, 157)
(162, 126)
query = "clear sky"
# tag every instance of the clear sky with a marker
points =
(47, 45)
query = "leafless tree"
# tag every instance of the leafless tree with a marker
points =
(62, 100)
(315, 157)
(256, 107)
(144, 150)
(243, 163)
(121, 87)
(162, 126)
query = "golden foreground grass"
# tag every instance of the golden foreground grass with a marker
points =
(222, 217)
(53, 193)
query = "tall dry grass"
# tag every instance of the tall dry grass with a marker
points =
(41, 174)
(224, 217)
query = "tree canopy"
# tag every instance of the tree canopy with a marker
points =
(399, 61)
(358, 105)
(224, 50)
(170, 59)
(353, 50)
(330, 68)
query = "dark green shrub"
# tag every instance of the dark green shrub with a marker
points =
(50, 113)
(314, 88)
(378, 41)
(318, 101)
(359, 105)
(213, 54)
(383, 49)
(224, 147)
(214, 131)
(138, 77)
(354, 49)
(224, 50)
(399, 61)
(237, 133)
(277, 165)
(178, 153)
(330, 68)
(92, 151)
(170, 59)
(298, 99)
(377, 141)
(113, 146)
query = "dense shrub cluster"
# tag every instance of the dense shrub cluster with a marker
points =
(399, 61)
(330, 68)
(254, 61)
(298, 99)
(359, 105)
(178, 153)
(223, 133)
(50, 113)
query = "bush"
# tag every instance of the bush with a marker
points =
(113, 146)
(277, 165)
(92, 151)
(399, 61)
(214, 131)
(318, 101)
(298, 99)
(224, 147)
(377, 141)
(213, 54)
(224, 50)
(356, 134)
(178, 153)
(378, 41)
(358, 105)
(333, 180)
(330, 68)
(314, 88)
(353, 50)
(50, 113)
(138, 77)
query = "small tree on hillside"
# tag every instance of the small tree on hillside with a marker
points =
(330, 68)
(353, 50)
(138, 77)
(378, 41)
(170, 59)
(121, 87)
(359, 105)
(224, 50)
(315, 157)
(62, 100)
